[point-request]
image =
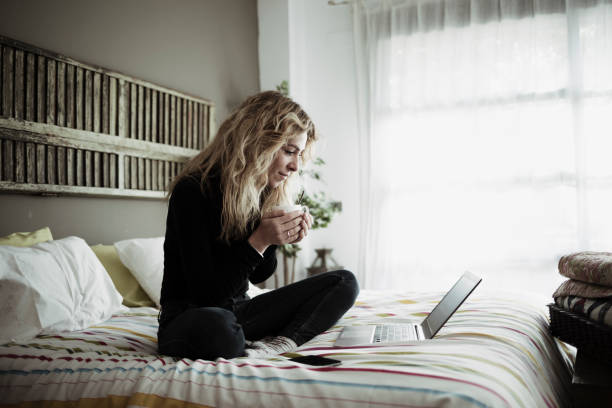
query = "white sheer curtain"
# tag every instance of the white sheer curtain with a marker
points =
(485, 139)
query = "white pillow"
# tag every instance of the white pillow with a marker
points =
(144, 257)
(53, 286)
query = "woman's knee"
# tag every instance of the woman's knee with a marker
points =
(349, 284)
(206, 333)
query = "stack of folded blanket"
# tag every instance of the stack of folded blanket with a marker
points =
(588, 291)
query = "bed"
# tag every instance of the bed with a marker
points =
(70, 128)
(495, 352)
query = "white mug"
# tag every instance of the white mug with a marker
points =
(290, 208)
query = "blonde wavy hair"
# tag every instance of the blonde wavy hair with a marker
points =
(242, 151)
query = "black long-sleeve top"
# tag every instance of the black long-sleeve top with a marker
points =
(199, 268)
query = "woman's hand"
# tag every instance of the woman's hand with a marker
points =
(306, 224)
(279, 228)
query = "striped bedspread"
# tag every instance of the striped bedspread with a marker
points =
(491, 353)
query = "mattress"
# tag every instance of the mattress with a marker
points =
(494, 352)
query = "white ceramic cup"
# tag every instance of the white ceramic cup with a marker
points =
(290, 208)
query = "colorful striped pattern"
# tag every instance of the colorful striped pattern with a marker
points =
(491, 353)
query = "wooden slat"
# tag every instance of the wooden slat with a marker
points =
(30, 163)
(160, 117)
(199, 123)
(160, 175)
(121, 171)
(205, 136)
(97, 102)
(184, 124)
(51, 92)
(105, 170)
(133, 111)
(179, 122)
(179, 137)
(88, 168)
(127, 173)
(19, 84)
(194, 123)
(81, 139)
(41, 160)
(80, 101)
(154, 132)
(112, 107)
(140, 113)
(97, 169)
(166, 119)
(105, 101)
(30, 95)
(113, 170)
(154, 175)
(70, 94)
(57, 190)
(166, 174)
(51, 165)
(61, 94)
(173, 170)
(79, 172)
(70, 166)
(8, 56)
(190, 121)
(173, 120)
(141, 174)
(123, 108)
(20, 162)
(147, 174)
(41, 89)
(88, 100)
(80, 167)
(61, 166)
(210, 123)
(147, 116)
(8, 160)
(133, 172)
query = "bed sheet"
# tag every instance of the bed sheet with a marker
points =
(494, 352)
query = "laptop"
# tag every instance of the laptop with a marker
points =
(400, 333)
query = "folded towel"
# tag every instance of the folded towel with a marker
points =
(587, 266)
(573, 287)
(599, 310)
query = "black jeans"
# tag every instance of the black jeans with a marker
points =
(299, 311)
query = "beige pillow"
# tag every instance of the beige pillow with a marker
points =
(126, 284)
(26, 239)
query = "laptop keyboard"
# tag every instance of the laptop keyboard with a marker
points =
(389, 333)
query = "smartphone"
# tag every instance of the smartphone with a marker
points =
(316, 361)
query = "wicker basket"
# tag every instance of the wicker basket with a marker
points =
(587, 335)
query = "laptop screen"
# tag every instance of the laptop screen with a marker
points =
(449, 304)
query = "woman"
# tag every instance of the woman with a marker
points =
(221, 232)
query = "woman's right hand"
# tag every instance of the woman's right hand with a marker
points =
(277, 228)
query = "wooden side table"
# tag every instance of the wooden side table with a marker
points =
(592, 382)
(322, 262)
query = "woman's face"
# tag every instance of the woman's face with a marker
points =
(286, 160)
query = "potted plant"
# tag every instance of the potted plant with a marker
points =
(321, 207)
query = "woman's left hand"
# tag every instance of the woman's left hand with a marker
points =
(305, 224)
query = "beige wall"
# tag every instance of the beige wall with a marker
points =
(207, 48)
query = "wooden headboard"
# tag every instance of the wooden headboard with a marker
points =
(71, 128)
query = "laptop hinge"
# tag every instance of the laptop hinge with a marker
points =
(419, 332)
